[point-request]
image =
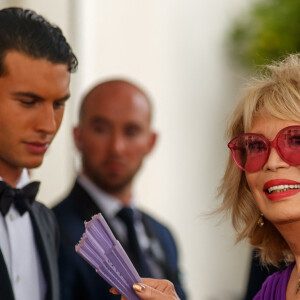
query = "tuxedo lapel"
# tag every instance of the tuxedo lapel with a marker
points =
(6, 291)
(45, 249)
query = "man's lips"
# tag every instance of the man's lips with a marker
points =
(37, 147)
(281, 188)
(114, 166)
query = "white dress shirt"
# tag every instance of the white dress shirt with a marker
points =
(111, 206)
(18, 247)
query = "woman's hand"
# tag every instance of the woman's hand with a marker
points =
(153, 289)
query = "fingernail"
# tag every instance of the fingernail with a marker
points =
(113, 291)
(138, 287)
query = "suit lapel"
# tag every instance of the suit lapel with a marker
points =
(85, 205)
(42, 237)
(156, 250)
(6, 291)
(83, 202)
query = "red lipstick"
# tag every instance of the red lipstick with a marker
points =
(281, 189)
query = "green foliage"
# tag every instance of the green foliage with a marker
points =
(269, 31)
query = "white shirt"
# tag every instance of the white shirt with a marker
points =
(18, 247)
(111, 206)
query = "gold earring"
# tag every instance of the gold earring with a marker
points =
(260, 221)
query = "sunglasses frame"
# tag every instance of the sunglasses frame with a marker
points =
(231, 145)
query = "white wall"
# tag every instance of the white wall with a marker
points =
(175, 50)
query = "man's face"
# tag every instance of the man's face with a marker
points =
(114, 135)
(32, 97)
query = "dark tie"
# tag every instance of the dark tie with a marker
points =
(21, 198)
(136, 254)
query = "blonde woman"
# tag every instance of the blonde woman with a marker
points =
(261, 184)
(263, 191)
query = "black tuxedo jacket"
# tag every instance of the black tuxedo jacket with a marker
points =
(47, 240)
(78, 280)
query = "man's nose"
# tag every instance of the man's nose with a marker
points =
(46, 121)
(117, 143)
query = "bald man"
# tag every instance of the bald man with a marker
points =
(113, 136)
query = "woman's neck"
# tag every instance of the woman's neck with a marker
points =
(291, 233)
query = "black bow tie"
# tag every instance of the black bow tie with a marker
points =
(22, 198)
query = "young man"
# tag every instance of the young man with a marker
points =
(35, 66)
(114, 136)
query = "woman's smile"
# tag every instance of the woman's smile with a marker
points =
(280, 189)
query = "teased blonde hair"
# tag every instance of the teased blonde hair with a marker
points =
(275, 92)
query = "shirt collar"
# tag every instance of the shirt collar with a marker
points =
(109, 204)
(24, 179)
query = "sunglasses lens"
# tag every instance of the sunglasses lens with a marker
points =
(288, 144)
(249, 151)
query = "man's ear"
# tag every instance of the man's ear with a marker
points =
(152, 141)
(77, 137)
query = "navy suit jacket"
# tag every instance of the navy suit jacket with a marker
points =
(47, 240)
(78, 280)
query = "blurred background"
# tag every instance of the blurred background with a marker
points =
(191, 57)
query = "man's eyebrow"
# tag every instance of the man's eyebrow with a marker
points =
(38, 97)
(99, 119)
(64, 98)
(28, 95)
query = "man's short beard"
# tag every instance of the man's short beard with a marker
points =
(109, 186)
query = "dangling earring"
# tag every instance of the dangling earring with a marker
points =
(260, 221)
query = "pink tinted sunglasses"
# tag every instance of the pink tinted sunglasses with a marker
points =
(251, 151)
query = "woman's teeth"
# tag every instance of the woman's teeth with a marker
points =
(282, 188)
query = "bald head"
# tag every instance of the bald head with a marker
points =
(116, 90)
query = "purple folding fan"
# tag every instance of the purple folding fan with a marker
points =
(99, 247)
